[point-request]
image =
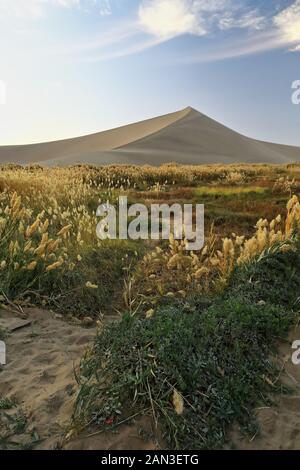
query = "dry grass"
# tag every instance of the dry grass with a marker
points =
(50, 255)
(49, 252)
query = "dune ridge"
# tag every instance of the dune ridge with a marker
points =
(186, 136)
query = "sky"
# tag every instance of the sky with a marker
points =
(74, 67)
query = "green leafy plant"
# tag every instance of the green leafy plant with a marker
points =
(197, 372)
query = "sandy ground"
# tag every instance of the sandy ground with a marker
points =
(186, 136)
(40, 374)
(142, 435)
(280, 424)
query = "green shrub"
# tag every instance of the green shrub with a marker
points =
(218, 359)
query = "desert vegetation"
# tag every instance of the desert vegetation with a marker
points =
(196, 329)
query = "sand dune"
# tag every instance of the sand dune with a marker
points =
(186, 136)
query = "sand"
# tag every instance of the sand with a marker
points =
(186, 136)
(142, 435)
(40, 374)
(280, 424)
(87, 149)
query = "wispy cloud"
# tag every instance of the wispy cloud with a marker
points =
(231, 49)
(169, 18)
(203, 17)
(34, 9)
(295, 49)
(288, 24)
(118, 34)
(158, 21)
(251, 20)
(124, 51)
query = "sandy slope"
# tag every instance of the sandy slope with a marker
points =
(186, 136)
(87, 148)
(199, 139)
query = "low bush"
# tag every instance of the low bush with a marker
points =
(197, 369)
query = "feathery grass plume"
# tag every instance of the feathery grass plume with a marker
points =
(3, 264)
(54, 266)
(293, 217)
(53, 246)
(32, 229)
(40, 250)
(178, 402)
(45, 238)
(31, 266)
(48, 215)
(28, 246)
(89, 285)
(169, 271)
(64, 231)
(45, 226)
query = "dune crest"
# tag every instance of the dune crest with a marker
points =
(186, 137)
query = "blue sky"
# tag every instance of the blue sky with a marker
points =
(71, 67)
